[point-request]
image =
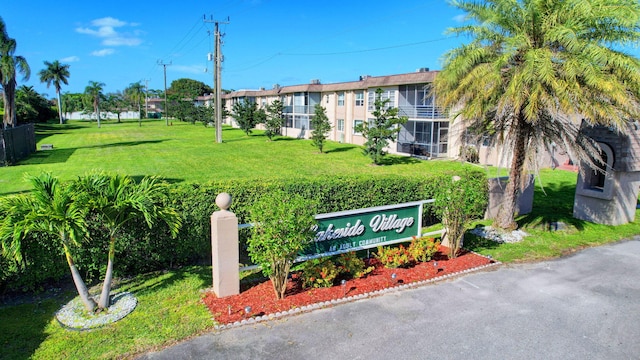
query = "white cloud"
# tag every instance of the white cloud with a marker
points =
(70, 59)
(108, 22)
(460, 18)
(103, 52)
(105, 28)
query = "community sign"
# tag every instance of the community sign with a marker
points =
(360, 229)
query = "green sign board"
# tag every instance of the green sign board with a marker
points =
(365, 228)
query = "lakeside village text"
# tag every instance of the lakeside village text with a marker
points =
(378, 223)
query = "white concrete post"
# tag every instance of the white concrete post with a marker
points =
(225, 249)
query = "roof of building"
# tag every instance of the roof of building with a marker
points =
(366, 82)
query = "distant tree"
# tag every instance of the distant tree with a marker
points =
(72, 102)
(134, 94)
(55, 73)
(93, 92)
(10, 65)
(187, 89)
(381, 129)
(244, 112)
(275, 119)
(115, 103)
(321, 126)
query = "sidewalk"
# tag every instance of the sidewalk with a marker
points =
(586, 306)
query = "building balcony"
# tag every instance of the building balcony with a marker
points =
(422, 112)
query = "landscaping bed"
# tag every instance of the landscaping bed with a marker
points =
(258, 301)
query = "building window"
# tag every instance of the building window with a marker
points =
(340, 125)
(360, 98)
(597, 183)
(341, 99)
(356, 124)
(387, 94)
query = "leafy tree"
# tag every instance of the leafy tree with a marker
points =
(117, 199)
(32, 106)
(381, 129)
(10, 65)
(283, 229)
(134, 94)
(187, 89)
(115, 103)
(49, 208)
(72, 102)
(457, 202)
(275, 119)
(321, 126)
(244, 112)
(93, 92)
(535, 66)
(55, 73)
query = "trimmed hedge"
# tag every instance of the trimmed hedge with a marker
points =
(142, 249)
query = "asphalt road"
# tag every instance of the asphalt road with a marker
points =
(585, 306)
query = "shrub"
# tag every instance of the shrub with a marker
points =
(423, 248)
(459, 201)
(351, 266)
(393, 257)
(283, 228)
(318, 273)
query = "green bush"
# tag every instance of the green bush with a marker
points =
(351, 266)
(143, 249)
(283, 228)
(321, 272)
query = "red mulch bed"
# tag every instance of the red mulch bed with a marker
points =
(262, 299)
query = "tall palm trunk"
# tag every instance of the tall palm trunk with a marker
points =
(59, 106)
(96, 106)
(104, 301)
(506, 214)
(88, 302)
(9, 103)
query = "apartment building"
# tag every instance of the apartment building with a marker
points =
(426, 134)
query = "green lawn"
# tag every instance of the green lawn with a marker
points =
(186, 152)
(169, 307)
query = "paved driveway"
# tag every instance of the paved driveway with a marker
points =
(586, 306)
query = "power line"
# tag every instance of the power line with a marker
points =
(367, 50)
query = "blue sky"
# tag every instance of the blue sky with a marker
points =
(266, 42)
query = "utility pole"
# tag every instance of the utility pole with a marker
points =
(217, 87)
(166, 106)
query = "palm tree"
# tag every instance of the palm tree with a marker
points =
(94, 91)
(55, 73)
(10, 64)
(534, 69)
(118, 199)
(135, 93)
(49, 208)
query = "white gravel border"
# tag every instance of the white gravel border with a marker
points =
(73, 315)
